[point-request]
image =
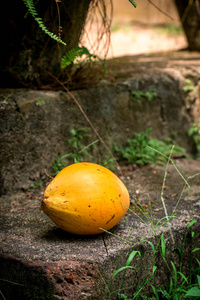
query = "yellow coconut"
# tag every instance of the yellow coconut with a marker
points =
(85, 198)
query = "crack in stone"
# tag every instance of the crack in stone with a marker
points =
(105, 244)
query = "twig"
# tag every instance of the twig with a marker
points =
(159, 9)
(59, 26)
(88, 120)
(48, 174)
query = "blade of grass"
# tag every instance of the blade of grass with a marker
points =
(163, 248)
(191, 223)
(152, 245)
(182, 276)
(129, 260)
(131, 256)
(171, 285)
(175, 274)
(2, 295)
(104, 281)
(155, 292)
(196, 249)
(198, 278)
(86, 147)
(122, 269)
(175, 166)
(162, 195)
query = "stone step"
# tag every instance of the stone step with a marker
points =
(35, 124)
(40, 261)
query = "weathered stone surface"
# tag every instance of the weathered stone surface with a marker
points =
(40, 261)
(35, 125)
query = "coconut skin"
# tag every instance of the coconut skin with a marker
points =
(85, 199)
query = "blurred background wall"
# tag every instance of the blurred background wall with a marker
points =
(144, 29)
(145, 11)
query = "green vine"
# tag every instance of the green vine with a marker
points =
(133, 3)
(31, 8)
(70, 56)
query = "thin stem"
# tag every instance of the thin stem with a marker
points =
(162, 198)
(88, 120)
(159, 9)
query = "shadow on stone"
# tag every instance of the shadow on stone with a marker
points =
(57, 234)
(24, 280)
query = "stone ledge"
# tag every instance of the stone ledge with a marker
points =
(39, 259)
(35, 125)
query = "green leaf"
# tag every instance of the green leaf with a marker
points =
(74, 53)
(193, 292)
(64, 156)
(155, 292)
(171, 285)
(31, 8)
(175, 273)
(191, 223)
(198, 278)
(121, 269)
(162, 239)
(149, 279)
(196, 249)
(154, 269)
(133, 3)
(152, 245)
(40, 102)
(131, 256)
(182, 276)
(180, 252)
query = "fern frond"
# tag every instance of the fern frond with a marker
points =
(72, 54)
(31, 8)
(133, 3)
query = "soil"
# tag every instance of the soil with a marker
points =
(172, 182)
(140, 39)
(133, 38)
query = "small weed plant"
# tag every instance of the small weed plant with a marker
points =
(79, 152)
(140, 150)
(169, 29)
(108, 162)
(40, 102)
(183, 283)
(36, 185)
(77, 54)
(180, 286)
(139, 95)
(189, 86)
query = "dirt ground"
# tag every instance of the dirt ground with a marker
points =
(132, 38)
(139, 39)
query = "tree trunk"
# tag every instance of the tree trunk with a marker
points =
(190, 19)
(28, 55)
